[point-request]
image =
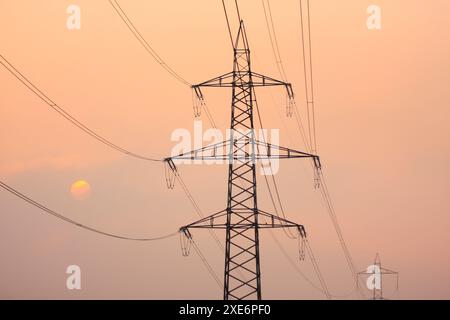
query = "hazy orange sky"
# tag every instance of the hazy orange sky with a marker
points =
(382, 102)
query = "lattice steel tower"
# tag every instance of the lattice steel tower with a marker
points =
(242, 219)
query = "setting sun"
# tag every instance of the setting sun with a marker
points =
(80, 189)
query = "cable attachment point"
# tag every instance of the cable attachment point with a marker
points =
(317, 173)
(170, 171)
(198, 101)
(301, 243)
(185, 241)
(290, 101)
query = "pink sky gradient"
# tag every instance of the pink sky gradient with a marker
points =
(382, 101)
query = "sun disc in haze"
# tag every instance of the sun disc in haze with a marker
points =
(80, 189)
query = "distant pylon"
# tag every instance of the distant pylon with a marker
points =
(375, 279)
(242, 219)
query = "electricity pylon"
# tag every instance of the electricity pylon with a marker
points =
(242, 219)
(376, 272)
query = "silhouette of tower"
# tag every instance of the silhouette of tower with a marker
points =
(242, 219)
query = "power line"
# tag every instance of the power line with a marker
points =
(138, 35)
(15, 72)
(237, 10)
(289, 233)
(59, 216)
(27, 83)
(207, 265)
(273, 40)
(228, 22)
(313, 140)
(309, 97)
(304, 67)
(270, 24)
(196, 207)
(330, 208)
(276, 51)
(295, 265)
(311, 145)
(144, 42)
(317, 269)
(323, 289)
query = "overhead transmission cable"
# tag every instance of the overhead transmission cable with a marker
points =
(271, 31)
(144, 42)
(146, 45)
(80, 125)
(311, 143)
(279, 62)
(310, 102)
(317, 269)
(288, 233)
(15, 72)
(196, 206)
(228, 23)
(27, 83)
(324, 288)
(309, 90)
(64, 218)
(273, 39)
(237, 10)
(125, 18)
(207, 265)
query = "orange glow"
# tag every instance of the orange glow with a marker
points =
(80, 189)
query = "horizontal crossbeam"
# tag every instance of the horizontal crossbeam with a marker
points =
(218, 221)
(265, 151)
(228, 80)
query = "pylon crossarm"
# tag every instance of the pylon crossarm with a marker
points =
(271, 151)
(279, 222)
(214, 152)
(207, 222)
(218, 221)
(227, 81)
(387, 271)
(224, 80)
(221, 152)
(260, 80)
(383, 270)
